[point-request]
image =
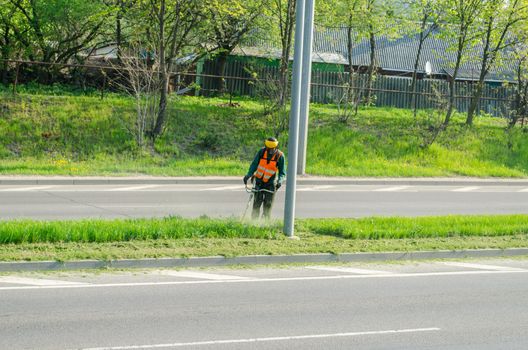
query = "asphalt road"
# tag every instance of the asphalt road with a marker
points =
(443, 305)
(225, 200)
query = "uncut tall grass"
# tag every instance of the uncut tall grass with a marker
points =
(26, 231)
(418, 227)
(85, 231)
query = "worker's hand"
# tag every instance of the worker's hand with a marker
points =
(277, 186)
(246, 178)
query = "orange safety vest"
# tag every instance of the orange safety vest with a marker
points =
(267, 168)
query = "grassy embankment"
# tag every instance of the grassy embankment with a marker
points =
(42, 133)
(177, 237)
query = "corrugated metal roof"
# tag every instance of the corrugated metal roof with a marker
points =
(396, 54)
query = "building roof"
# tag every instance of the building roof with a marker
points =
(393, 54)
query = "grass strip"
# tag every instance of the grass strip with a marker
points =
(178, 237)
(98, 231)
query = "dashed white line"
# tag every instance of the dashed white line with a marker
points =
(223, 188)
(316, 188)
(201, 275)
(349, 270)
(391, 189)
(37, 281)
(24, 189)
(482, 266)
(132, 188)
(466, 189)
(270, 339)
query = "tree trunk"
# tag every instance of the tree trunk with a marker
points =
(413, 98)
(5, 56)
(474, 103)
(164, 75)
(285, 54)
(119, 35)
(221, 63)
(484, 67)
(451, 101)
(162, 112)
(370, 74)
(351, 79)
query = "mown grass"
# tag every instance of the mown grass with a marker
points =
(51, 133)
(177, 237)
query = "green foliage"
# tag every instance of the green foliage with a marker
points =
(55, 30)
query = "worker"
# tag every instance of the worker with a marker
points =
(268, 172)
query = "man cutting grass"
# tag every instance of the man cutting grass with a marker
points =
(268, 161)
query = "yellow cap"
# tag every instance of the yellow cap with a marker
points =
(271, 143)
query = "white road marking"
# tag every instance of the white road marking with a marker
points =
(349, 270)
(391, 189)
(524, 190)
(261, 280)
(238, 187)
(24, 189)
(270, 339)
(316, 188)
(132, 188)
(36, 281)
(201, 275)
(482, 266)
(466, 189)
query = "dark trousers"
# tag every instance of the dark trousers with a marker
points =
(263, 199)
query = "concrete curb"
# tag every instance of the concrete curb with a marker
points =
(305, 180)
(258, 260)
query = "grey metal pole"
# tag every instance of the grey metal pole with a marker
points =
(305, 85)
(293, 138)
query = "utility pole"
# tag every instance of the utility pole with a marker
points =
(293, 138)
(302, 67)
(306, 85)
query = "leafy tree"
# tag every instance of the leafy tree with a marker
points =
(230, 21)
(284, 13)
(344, 15)
(7, 40)
(54, 31)
(171, 28)
(460, 23)
(423, 19)
(520, 56)
(119, 9)
(499, 19)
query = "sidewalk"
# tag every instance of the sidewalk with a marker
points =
(228, 180)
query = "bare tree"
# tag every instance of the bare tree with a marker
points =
(139, 78)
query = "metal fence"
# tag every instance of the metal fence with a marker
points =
(247, 79)
(387, 91)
